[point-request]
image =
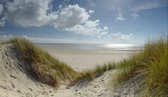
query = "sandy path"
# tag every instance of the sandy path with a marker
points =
(98, 87)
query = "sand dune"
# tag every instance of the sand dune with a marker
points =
(15, 83)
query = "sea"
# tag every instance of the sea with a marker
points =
(92, 46)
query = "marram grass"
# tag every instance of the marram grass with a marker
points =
(49, 70)
(40, 65)
(152, 63)
(89, 75)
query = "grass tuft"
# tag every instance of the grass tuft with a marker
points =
(89, 75)
(152, 63)
(40, 65)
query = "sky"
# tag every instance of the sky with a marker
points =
(84, 21)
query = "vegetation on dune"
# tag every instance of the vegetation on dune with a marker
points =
(152, 64)
(45, 68)
(40, 65)
(89, 75)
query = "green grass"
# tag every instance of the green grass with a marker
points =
(41, 66)
(152, 64)
(49, 70)
(89, 75)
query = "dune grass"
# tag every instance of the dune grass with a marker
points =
(41, 66)
(89, 75)
(45, 68)
(152, 64)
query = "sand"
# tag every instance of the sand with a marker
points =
(15, 83)
(83, 60)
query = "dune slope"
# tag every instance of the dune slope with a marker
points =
(15, 82)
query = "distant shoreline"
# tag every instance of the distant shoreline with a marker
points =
(82, 60)
(90, 47)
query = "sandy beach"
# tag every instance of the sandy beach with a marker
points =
(82, 60)
(83, 48)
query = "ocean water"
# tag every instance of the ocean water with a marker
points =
(92, 47)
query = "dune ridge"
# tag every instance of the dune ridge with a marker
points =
(28, 71)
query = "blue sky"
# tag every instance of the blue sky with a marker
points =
(84, 21)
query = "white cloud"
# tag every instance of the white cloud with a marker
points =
(105, 28)
(27, 13)
(126, 6)
(120, 17)
(89, 28)
(109, 4)
(146, 6)
(40, 39)
(121, 36)
(135, 15)
(91, 11)
(47, 39)
(70, 16)
(76, 19)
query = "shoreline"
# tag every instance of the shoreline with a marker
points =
(81, 60)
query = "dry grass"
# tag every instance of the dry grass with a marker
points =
(89, 75)
(41, 66)
(152, 63)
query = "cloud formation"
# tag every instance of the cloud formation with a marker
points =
(120, 17)
(89, 28)
(38, 13)
(120, 36)
(71, 16)
(135, 15)
(28, 12)
(146, 6)
(46, 39)
(122, 7)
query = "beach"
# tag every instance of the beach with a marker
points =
(81, 60)
(15, 82)
(83, 48)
